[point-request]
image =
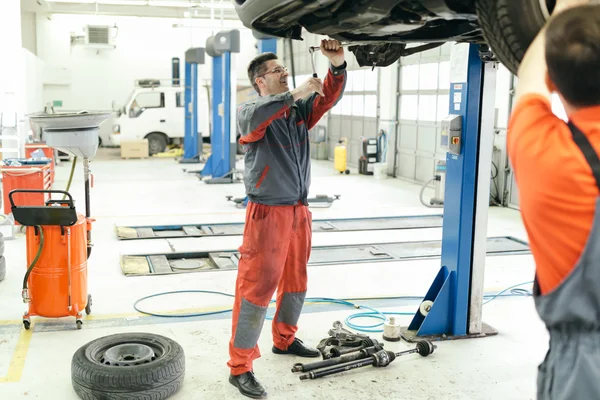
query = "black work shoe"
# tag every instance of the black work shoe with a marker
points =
(298, 348)
(248, 385)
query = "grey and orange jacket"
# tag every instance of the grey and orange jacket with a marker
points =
(274, 134)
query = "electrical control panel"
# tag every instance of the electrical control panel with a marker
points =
(451, 134)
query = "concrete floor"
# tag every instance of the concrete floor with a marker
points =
(36, 363)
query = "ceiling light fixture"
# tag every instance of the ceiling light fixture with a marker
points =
(152, 3)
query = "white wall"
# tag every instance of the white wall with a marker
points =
(28, 34)
(12, 78)
(34, 88)
(85, 78)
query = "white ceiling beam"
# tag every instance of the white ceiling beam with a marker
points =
(137, 8)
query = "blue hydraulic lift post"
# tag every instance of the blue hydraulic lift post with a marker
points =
(448, 299)
(217, 121)
(267, 46)
(191, 144)
(221, 163)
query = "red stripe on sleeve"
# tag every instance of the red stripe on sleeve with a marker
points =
(259, 132)
(332, 89)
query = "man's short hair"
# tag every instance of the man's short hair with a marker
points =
(573, 54)
(257, 67)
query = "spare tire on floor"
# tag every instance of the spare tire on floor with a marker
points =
(128, 366)
(509, 26)
(2, 268)
(1, 244)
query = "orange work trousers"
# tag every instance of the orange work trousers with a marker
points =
(273, 256)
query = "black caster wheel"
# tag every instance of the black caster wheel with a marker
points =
(341, 172)
(79, 323)
(347, 172)
(26, 324)
(88, 307)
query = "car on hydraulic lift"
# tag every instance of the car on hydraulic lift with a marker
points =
(382, 30)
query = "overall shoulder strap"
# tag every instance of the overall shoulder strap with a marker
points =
(588, 151)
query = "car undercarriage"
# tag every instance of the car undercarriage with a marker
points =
(382, 31)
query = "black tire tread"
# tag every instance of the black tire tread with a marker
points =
(152, 381)
(499, 36)
(2, 267)
(502, 31)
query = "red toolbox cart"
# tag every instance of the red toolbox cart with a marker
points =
(26, 177)
(48, 151)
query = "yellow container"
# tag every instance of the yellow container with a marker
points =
(340, 156)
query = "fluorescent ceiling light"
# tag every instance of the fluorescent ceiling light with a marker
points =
(153, 3)
(216, 6)
(106, 2)
(166, 3)
(71, 1)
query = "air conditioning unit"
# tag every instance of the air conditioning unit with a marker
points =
(101, 36)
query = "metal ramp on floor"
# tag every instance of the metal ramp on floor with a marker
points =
(226, 260)
(234, 229)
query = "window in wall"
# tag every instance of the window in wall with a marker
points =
(358, 105)
(409, 107)
(428, 76)
(410, 77)
(179, 99)
(346, 104)
(444, 75)
(370, 80)
(370, 106)
(358, 80)
(443, 102)
(427, 108)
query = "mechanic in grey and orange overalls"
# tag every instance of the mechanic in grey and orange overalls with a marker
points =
(557, 170)
(277, 233)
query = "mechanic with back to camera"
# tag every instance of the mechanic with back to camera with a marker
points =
(558, 174)
(278, 230)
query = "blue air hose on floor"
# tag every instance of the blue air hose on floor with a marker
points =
(373, 313)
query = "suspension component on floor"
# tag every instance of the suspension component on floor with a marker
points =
(341, 337)
(340, 351)
(380, 359)
(351, 356)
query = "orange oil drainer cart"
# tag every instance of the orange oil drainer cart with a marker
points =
(59, 240)
(55, 284)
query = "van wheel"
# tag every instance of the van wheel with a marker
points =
(157, 143)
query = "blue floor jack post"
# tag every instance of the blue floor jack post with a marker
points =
(221, 163)
(452, 307)
(192, 146)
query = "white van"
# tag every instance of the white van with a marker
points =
(155, 111)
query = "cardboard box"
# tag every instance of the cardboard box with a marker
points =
(134, 148)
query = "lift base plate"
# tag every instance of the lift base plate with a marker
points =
(411, 336)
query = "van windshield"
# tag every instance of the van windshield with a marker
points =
(129, 98)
